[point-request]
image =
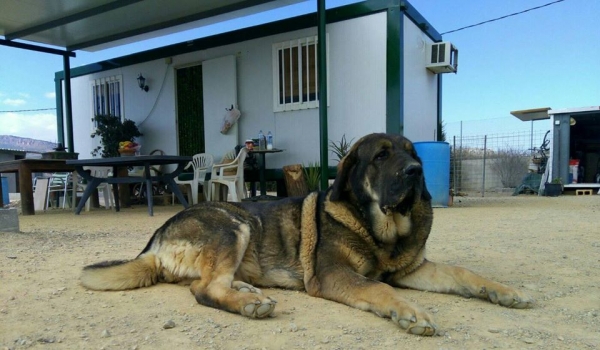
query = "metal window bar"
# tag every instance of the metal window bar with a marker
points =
(283, 75)
(118, 98)
(316, 70)
(291, 64)
(307, 70)
(299, 71)
(111, 98)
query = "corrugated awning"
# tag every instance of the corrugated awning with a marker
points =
(93, 25)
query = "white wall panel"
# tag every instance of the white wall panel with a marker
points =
(420, 87)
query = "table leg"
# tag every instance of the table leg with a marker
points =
(263, 182)
(89, 189)
(74, 182)
(26, 189)
(176, 191)
(149, 189)
(116, 190)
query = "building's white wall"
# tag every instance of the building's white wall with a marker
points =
(357, 93)
(420, 87)
(156, 122)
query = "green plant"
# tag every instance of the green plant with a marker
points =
(111, 131)
(557, 180)
(340, 148)
(313, 175)
(509, 164)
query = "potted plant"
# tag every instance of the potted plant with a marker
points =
(554, 188)
(112, 131)
(313, 176)
(340, 148)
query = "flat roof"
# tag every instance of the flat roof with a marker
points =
(546, 112)
(532, 114)
(575, 110)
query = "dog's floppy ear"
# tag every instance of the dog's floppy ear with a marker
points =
(425, 195)
(340, 185)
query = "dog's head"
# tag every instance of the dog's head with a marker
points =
(382, 169)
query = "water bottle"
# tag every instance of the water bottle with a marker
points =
(269, 140)
(261, 140)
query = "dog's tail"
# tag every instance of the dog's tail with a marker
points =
(122, 274)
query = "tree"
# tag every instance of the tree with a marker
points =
(510, 164)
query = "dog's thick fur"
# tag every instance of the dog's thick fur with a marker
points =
(352, 244)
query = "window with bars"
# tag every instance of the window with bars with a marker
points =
(107, 96)
(295, 75)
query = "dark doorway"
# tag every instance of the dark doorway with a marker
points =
(190, 111)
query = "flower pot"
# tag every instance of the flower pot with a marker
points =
(552, 190)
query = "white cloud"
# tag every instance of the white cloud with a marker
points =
(23, 94)
(14, 102)
(50, 95)
(39, 126)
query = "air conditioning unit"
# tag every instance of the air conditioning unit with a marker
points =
(442, 57)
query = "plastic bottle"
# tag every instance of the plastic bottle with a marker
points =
(269, 140)
(261, 140)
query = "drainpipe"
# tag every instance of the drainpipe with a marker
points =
(322, 76)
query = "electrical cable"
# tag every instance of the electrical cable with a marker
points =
(29, 110)
(162, 85)
(503, 17)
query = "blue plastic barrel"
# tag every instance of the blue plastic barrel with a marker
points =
(436, 167)
(5, 198)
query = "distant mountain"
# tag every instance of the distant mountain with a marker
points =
(25, 144)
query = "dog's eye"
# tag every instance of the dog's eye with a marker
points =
(382, 154)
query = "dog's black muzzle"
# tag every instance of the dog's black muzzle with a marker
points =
(404, 188)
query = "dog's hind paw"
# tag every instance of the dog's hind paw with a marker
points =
(414, 325)
(514, 299)
(259, 309)
(245, 287)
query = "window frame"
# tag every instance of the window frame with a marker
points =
(297, 85)
(110, 90)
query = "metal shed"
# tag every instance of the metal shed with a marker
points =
(575, 144)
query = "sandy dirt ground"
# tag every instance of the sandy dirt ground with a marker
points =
(549, 247)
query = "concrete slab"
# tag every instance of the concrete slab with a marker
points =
(9, 220)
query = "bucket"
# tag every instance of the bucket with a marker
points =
(435, 157)
(5, 197)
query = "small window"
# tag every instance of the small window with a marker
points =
(295, 75)
(107, 96)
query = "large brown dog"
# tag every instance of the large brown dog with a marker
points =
(352, 244)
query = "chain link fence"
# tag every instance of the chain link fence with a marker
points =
(492, 163)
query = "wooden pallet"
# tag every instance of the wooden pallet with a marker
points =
(583, 192)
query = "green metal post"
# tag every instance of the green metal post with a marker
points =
(68, 106)
(322, 77)
(60, 127)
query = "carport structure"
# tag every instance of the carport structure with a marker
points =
(63, 27)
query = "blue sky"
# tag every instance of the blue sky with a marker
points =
(548, 57)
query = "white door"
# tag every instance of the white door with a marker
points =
(220, 92)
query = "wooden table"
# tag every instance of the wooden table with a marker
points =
(24, 168)
(263, 182)
(132, 161)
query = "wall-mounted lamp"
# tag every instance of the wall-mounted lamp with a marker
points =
(142, 82)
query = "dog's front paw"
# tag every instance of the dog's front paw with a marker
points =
(259, 308)
(510, 297)
(414, 321)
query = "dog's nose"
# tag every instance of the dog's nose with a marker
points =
(413, 170)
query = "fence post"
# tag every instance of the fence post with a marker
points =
(484, 158)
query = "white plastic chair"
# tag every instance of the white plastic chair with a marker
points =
(231, 175)
(102, 172)
(58, 182)
(201, 164)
